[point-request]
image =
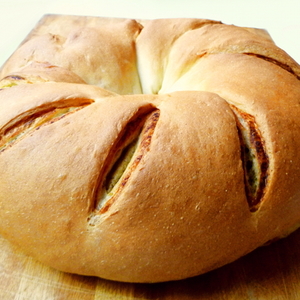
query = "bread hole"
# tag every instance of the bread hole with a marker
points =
(30, 121)
(125, 157)
(254, 157)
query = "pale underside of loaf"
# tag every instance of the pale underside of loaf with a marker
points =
(156, 149)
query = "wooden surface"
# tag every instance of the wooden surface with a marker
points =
(271, 273)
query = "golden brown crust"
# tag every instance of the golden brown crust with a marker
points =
(101, 53)
(148, 188)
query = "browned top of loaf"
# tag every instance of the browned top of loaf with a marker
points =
(183, 209)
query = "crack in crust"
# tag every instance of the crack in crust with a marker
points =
(29, 121)
(254, 157)
(275, 62)
(124, 159)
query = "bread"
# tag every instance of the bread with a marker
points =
(147, 150)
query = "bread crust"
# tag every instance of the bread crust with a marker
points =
(100, 51)
(178, 206)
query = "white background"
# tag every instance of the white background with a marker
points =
(280, 18)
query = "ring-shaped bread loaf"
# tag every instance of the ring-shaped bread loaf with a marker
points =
(147, 150)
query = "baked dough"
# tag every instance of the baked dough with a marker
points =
(147, 150)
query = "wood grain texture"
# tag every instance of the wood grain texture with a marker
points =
(269, 273)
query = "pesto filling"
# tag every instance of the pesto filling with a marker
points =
(7, 85)
(123, 158)
(120, 166)
(254, 158)
(250, 161)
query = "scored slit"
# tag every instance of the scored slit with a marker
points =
(282, 65)
(27, 123)
(254, 157)
(124, 159)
